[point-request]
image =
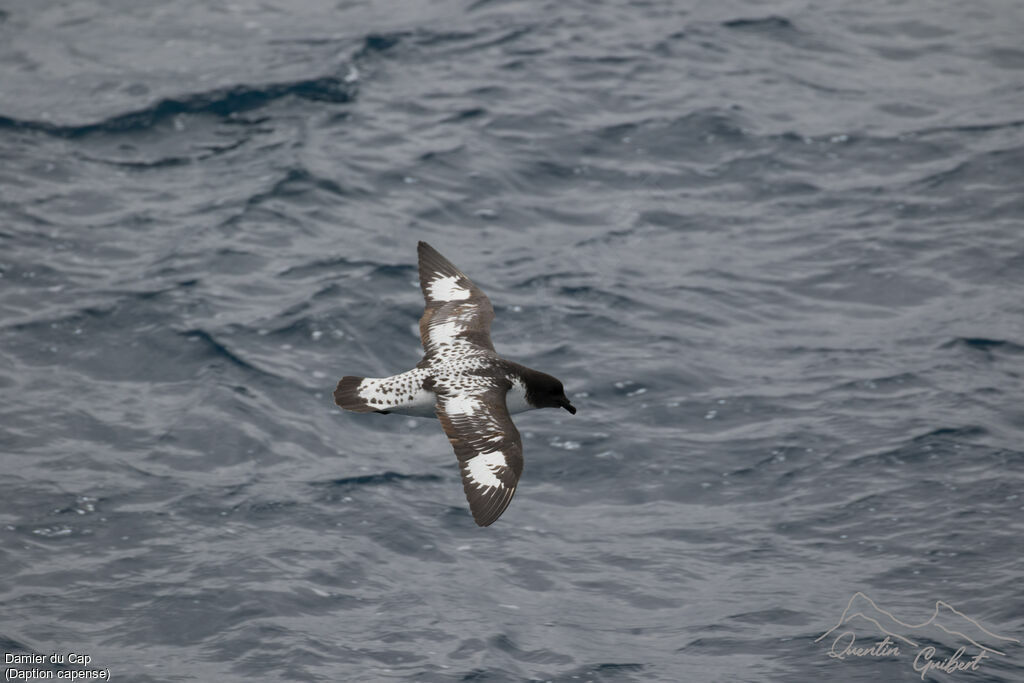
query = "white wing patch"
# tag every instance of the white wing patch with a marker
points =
(462, 404)
(445, 332)
(481, 469)
(472, 411)
(447, 289)
(456, 320)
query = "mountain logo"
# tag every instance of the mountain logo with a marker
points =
(968, 642)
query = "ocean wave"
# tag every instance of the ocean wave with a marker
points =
(984, 345)
(379, 478)
(222, 102)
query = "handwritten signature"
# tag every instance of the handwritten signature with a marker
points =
(944, 618)
(845, 646)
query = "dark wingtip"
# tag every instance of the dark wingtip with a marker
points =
(486, 509)
(431, 261)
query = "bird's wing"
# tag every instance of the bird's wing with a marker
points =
(486, 442)
(457, 318)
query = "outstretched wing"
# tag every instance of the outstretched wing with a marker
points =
(457, 318)
(487, 444)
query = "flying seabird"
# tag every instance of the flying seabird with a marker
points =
(465, 384)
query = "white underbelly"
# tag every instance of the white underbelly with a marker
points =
(424, 402)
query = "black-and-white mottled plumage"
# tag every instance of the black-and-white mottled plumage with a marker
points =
(463, 382)
(456, 322)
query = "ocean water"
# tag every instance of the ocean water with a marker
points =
(775, 251)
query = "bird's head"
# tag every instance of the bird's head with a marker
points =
(547, 392)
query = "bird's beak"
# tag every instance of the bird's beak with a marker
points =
(568, 406)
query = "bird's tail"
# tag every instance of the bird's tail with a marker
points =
(347, 395)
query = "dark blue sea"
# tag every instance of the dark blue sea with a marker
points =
(773, 248)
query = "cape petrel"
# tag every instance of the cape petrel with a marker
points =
(465, 384)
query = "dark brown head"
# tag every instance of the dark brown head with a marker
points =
(545, 391)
